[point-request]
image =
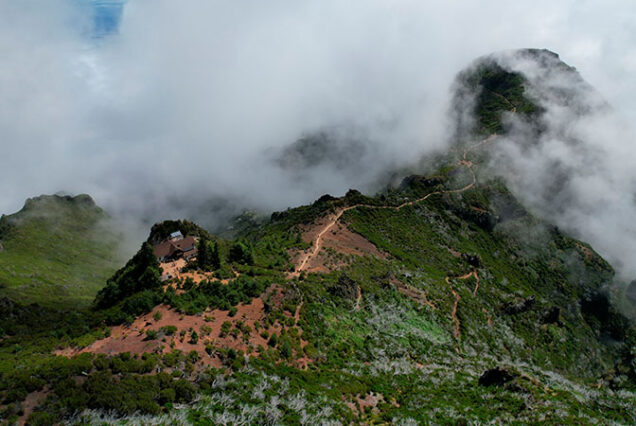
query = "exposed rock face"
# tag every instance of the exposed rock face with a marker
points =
(552, 316)
(497, 376)
(345, 288)
(472, 259)
(417, 181)
(484, 219)
(517, 308)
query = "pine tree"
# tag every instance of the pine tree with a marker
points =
(241, 253)
(203, 253)
(215, 257)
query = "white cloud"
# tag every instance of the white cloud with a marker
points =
(187, 96)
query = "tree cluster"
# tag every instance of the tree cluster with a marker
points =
(141, 273)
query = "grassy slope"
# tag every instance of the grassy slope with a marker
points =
(57, 251)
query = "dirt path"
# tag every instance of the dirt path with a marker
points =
(358, 299)
(514, 108)
(457, 331)
(471, 274)
(487, 316)
(476, 275)
(317, 241)
(297, 313)
(489, 139)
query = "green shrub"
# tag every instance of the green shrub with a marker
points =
(208, 255)
(188, 284)
(171, 359)
(209, 348)
(101, 362)
(193, 356)
(184, 391)
(225, 328)
(42, 418)
(286, 349)
(241, 253)
(273, 340)
(168, 330)
(167, 395)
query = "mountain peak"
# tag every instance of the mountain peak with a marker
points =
(81, 200)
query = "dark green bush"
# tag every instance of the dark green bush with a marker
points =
(141, 273)
(168, 330)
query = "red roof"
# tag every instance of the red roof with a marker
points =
(168, 249)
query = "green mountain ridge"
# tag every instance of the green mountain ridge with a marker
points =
(57, 250)
(441, 300)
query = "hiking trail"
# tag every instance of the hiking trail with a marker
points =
(335, 217)
(358, 299)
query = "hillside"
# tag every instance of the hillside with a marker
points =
(57, 250)
(440, 300)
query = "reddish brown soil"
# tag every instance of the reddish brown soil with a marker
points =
(132, 338)
(333, 244)
(412, 292)
(173, 269)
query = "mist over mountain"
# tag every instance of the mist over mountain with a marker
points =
(317, 212)
(190, 98)
(205, 110)
(58, 250)
(568, 155)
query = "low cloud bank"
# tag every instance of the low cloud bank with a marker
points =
(574, 165)
(193, 108)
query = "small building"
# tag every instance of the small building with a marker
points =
(173, 249)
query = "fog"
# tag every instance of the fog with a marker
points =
(188, 109)
(573, 165)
